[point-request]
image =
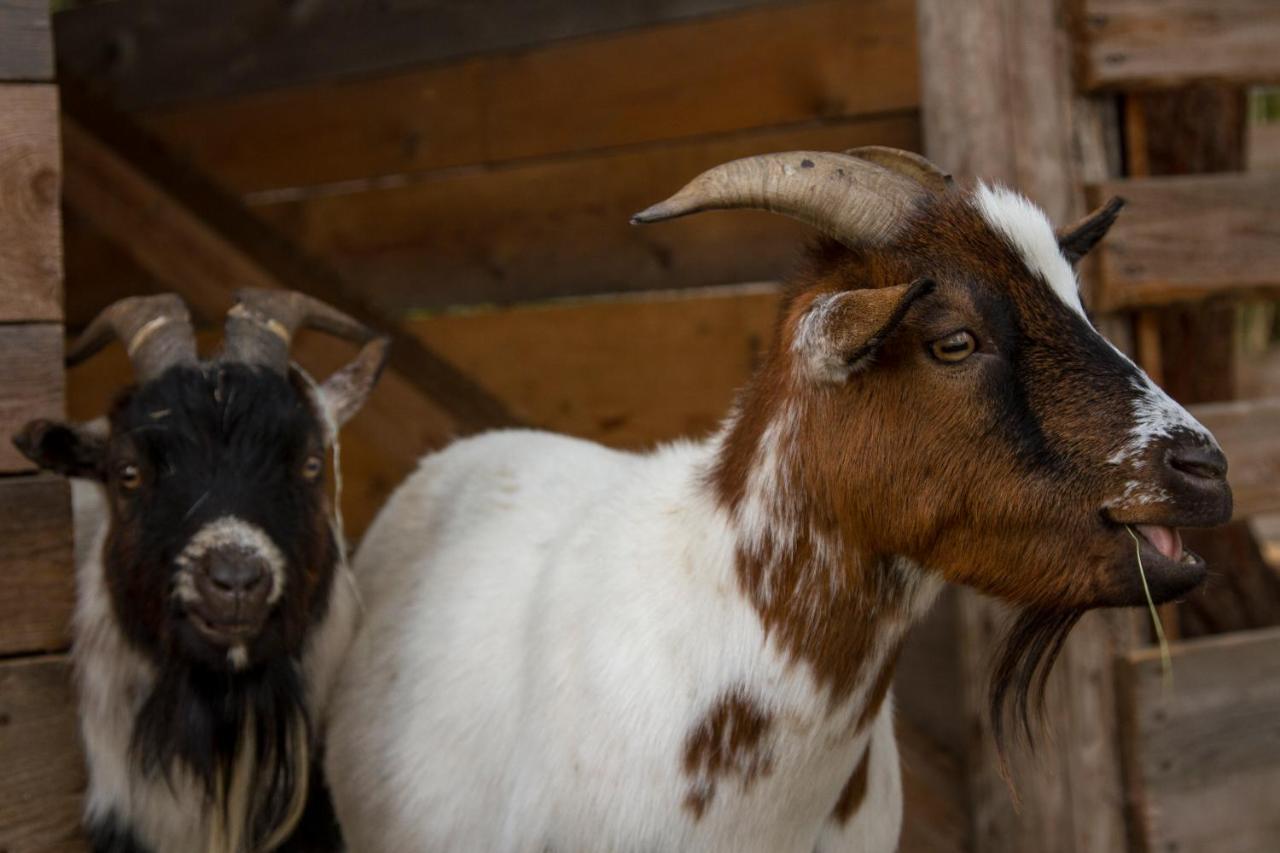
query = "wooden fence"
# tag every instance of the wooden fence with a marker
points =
(42, 778)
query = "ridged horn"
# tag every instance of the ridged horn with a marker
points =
(920, 169)
(155, 330)
(852, 199)
(261, 325)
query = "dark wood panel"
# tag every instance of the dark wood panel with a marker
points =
(562, 227)
(769, 66)
(1203, 757)
(31, 383)
(26, 42)
(1249, 432)
(1188, 237)
(35, 563)
(1147, 43)
(30, 245)
(158, 51)
(202, 242)
(43, 778)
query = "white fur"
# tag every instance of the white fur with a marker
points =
(546, 621)
(229, 531)
(1028, 229)
(113, 681)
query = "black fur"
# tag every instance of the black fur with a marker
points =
(107, 834)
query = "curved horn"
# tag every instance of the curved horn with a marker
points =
(155, 330)
(852, 199)
(914, 166)
(261, 326)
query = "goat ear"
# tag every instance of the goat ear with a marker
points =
(74, 450)
(1077, 239)
(840, 332)
(343, 393)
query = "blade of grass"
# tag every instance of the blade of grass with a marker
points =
(1166, 661)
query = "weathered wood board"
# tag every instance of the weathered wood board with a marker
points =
(26, 40)
(186, 49)
(43, 775)
(1139, 43)
(31, 383)
(1249, 432)
(773, 65)
(1203, 757)
(30, 243)
(35, 563)
(1189, 237)
(561, 227)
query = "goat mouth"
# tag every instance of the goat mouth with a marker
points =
(223, 632)
(1158, 558)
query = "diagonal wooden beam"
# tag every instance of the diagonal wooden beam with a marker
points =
(204, 243)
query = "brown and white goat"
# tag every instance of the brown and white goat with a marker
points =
(210, 614)
(571, 648)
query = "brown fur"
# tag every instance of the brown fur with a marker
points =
(731, 741)
(854, 791)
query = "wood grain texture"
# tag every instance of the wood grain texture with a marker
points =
(998, 102)
(26, 40)
(1188, 237)
(1203, 758)
(35, 563)
(163, 51)
(936, 816)
(30, 242)
(561, 227)
(43, 778)
(203, 243)
(770, 66)
(1249, 432)
(1166, 43)
(31, 384)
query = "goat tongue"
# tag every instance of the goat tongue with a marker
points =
(1166, 540)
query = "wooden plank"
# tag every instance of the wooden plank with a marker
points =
(204, 243)
(163, 51)
(26, 43)
(561, 227)
(936, 816)
(998, 102)
(1249, 432)
(43, 778)
(35, 563)
(30, 247)
(1166, 43)
(1203, 757)
(1188, 237)
(771, 66)
(31, 383)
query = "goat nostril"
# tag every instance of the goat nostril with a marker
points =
(234, 573)
(1203, 462)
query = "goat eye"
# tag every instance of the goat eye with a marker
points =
(129, 476)
(312, 468)
(955, 347)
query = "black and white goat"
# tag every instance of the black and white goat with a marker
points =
(569, 648)
(211, 611)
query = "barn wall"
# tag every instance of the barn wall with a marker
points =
(42, 776)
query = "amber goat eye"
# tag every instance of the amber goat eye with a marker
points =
(956, 346)
(129, 476)
(312, 468)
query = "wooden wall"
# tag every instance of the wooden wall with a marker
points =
(42, 776)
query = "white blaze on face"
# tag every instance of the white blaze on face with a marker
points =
(1155, 414)
(1026, 227)
(229, 531)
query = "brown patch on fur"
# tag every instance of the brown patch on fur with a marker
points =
(854, 791)
(879, 689)
(730, 741)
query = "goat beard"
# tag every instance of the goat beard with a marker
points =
(1020, 675)
(244, 738)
